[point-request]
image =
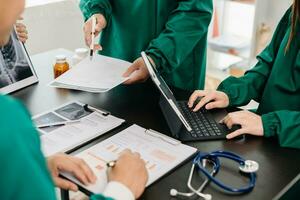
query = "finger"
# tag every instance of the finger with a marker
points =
(136, 154)
(133, 80)
(22, 35)
(88, 41)
(212, 105)
(98, 28)
(130, 70)
(87, 33)
(75, 169)
(65, 184)
(194, 97)
(87, 171)
(98, 47)
(202, 102)
(229, 123)
(222, 121)
(20, 27)
(126, 151)
(236, 133)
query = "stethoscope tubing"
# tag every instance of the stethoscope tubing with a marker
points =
(214, 157)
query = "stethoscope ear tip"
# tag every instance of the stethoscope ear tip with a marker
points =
(207, 197)
(173, 192)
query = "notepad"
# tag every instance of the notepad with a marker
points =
(89, 124)
(160, 153)
(98, 75)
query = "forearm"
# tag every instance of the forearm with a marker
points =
(241, 91)
(285, 125)
(186, 26)
(251, 86)
(91, 7)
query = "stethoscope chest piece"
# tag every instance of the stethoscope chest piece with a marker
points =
(250, 166)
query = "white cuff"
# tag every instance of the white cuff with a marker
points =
(118, 191)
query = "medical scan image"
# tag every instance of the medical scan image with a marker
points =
(14, 66)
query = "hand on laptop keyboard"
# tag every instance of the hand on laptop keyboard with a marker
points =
(208, 99)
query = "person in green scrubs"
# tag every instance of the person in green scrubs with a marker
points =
(172, 32)
(274, 82)
(24, 172)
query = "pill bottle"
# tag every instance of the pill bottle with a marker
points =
(61, 65)
(79, 55)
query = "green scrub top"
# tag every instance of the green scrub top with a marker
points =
(23, 171)
(172, 32)
(275, 83)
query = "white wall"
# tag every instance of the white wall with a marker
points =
(54, 25)
(268, 12)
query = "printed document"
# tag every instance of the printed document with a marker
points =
(98, 75)
(61, 138)
(160, 153)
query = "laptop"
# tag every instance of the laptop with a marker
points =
(186, 125)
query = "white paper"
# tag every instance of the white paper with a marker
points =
(67, 137)
(160, 155)
(98, 75)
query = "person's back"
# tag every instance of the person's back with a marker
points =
(24, 174)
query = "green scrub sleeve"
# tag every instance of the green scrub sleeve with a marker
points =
(186, 26)
(91, 7)
(285, 125)
(242, 90)
(100, 197)
(24, 174)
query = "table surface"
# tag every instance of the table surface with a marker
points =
(139, 104)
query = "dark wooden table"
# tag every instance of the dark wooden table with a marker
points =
(139, 104)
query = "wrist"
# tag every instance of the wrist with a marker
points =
(118, 191)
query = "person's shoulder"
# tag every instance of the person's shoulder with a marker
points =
(12, 113)
(9, 105)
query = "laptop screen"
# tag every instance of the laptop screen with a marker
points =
(165, 91)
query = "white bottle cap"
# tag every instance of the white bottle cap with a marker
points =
(61, 58)
(81, 52)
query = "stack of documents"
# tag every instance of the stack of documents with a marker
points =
(161, 154)
(98, 75)
(79, 124)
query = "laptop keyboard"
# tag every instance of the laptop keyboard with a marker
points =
(202, 122)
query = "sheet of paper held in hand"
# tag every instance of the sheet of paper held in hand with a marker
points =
(61, 138)
(98, 75)
(161, 154)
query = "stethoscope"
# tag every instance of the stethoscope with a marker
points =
(248, 167)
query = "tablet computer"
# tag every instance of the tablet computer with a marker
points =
(16, 70)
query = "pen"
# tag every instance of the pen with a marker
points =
(87, 108)
(57, 124)
(94, 21)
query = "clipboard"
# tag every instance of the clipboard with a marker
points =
(161, 154)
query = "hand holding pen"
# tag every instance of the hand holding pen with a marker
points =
(130, 170)
(92, 28)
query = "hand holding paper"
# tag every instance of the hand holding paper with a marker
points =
(99, 75)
